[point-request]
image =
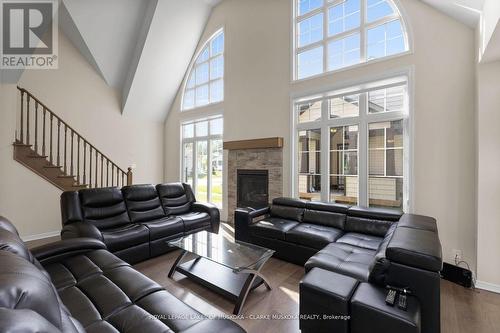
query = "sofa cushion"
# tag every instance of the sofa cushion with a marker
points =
(288, 208)
(176, 198)
(361, 240)
(367, 226)
(125, 237)
(344, 259)
(272, 227)
(312, 235)
(164, 227)
(375, 213)
(143, 203)
(104, 207)
(195, 220)
(329, 214)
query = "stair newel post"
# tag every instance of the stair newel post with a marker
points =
(58, 142)
(50, 139)
(65, 149)
(43, 131)
(78, 160)
(96, 168)
(72, 169)
(36, 126)
(107, 173)
(84, 161)
(22, 116)
(90, 166)
(102, 171)
(28, 119)
(129, 176)
(112, 174)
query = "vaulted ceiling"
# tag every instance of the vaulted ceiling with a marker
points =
(465, 11)
(141, 48)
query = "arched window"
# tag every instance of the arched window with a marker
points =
(334, 34)
(205, 83)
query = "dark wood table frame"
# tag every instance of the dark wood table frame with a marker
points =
(234, 284)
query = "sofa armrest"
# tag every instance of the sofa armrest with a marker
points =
(81, 229)
(243, 218)
(211, 210)
(68, 247)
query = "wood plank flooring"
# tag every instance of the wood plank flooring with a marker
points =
(462, 310)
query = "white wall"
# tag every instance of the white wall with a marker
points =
(79, 96)
(488, 212)
(258, 102)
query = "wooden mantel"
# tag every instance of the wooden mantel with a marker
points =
(276, 142)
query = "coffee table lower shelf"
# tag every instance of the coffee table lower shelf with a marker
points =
(232, 285)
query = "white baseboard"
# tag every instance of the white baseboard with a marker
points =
(488, 286)
(41, 236)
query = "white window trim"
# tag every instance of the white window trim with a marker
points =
(386, 80)
(193, 64)
(193, 140)
(399, 13)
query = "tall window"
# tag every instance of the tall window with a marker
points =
(333, 34)
(352, 145)
(205, 83)
(202, 158)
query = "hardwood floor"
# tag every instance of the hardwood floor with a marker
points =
(462, 310)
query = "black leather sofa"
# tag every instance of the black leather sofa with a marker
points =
(350, 255)
(136, 222)
(78, 286)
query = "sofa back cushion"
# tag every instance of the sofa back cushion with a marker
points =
(143, 203)
(288, 208)
(328, 214)
(71, 210)
(371, 221)
(104, 207)
(176, 198)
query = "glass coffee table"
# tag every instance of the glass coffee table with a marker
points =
(230, 268)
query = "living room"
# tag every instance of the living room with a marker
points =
(250, 165)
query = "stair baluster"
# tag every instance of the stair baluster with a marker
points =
(69, 173)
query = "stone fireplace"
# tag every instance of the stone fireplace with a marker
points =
(255, 173)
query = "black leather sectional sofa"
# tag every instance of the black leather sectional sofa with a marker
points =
(351, 254)
(136, 222)
(77, 285)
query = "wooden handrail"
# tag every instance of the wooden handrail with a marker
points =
(67, 133)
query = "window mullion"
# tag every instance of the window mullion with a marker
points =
(362, 35)
(325, 153)
(363, 151)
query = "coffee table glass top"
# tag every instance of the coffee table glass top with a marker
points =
(223, 250)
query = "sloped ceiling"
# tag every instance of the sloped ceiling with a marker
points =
(465, 11)
(141, 48)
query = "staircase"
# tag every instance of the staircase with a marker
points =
(51, 148)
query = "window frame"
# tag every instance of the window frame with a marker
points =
(362, 121)
(194, 64)
(398, 13)
(207, 138)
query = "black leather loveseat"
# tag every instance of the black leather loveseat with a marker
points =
(136, 222)
(76, 285)
(350, 255)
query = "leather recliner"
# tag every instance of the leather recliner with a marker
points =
(136, 222)
(77, 285)
(374, 246)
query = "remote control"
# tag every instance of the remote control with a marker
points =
(391, 297)
(402, 302)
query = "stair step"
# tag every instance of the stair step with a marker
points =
(52, 167)
(68, 176)
(19, 144)
(38, 156)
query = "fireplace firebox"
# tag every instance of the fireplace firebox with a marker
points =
(252, 188)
